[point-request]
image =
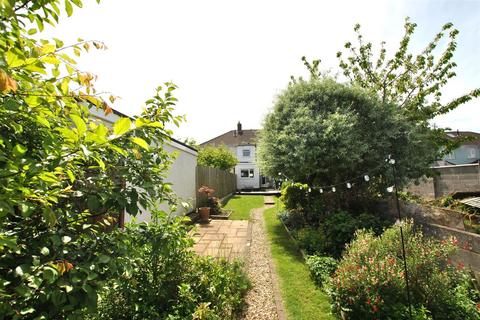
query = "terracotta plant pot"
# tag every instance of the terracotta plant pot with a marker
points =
(204, 213)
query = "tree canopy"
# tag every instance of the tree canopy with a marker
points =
(414, 82)
(216, 157)
(321, 133)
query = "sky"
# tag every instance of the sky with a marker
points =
(230, 59)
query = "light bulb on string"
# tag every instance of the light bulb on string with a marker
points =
(391, 161)
(366, 177)
(390, 189)
(333, 189)
(321, 190)
(309, 190)
(349, 185)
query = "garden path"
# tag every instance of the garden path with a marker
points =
(247, 240)
(263, 301)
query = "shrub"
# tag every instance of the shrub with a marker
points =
(312, 240)
(369, 282)
(294, 195)
(168, 281)
(339, 228)
(64, 175)
(217, 157)
(321, 268)
(294, 219)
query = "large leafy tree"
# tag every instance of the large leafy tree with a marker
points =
(216, 157)
(316, 135)
(64, 178)
(324, 133)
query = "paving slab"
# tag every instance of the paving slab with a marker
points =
(227, 239)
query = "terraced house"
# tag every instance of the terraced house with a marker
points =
(242, 143)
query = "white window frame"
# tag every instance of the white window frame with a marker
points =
(472, 153)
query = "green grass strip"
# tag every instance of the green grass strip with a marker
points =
(242, 205)
(302, 299)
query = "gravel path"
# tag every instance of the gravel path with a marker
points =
(260, 300)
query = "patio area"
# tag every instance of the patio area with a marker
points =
(229, 239)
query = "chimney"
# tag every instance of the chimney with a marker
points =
(239, 128)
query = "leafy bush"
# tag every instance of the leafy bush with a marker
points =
(168, 281)
(217, 157)
(294, 219)
(294, 195)
(339, 228)
(64, 176)
(312, 240)
(321, 268)
(369, 281)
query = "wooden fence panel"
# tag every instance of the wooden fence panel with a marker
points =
(223, 182)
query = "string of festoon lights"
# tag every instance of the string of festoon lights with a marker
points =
(365, 177)
(349, 183)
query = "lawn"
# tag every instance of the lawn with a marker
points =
(302, 299)
(242, 205)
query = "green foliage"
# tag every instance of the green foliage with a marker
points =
(216, 157)
(333, 233)
(168, 281)
(412, 81)
(64, 177)
(321, 269)
(409, 197)
(312, 240)
(294, 195)
(191, 142)
(321, 133)
(302, 299)
(369, 282)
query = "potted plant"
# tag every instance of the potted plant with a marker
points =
(204, 212)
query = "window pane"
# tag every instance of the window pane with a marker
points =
(472, 154)
(251, 173)
(244, 173)
(246, 152)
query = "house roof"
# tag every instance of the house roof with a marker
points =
(234, 138)
(456, 134)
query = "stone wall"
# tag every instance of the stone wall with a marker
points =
(448, 180)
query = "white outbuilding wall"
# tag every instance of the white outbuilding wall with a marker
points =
(181, 175)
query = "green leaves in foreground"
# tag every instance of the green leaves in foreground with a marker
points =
(65, 177)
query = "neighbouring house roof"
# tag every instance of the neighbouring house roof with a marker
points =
(456, 134)
(234, 138)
